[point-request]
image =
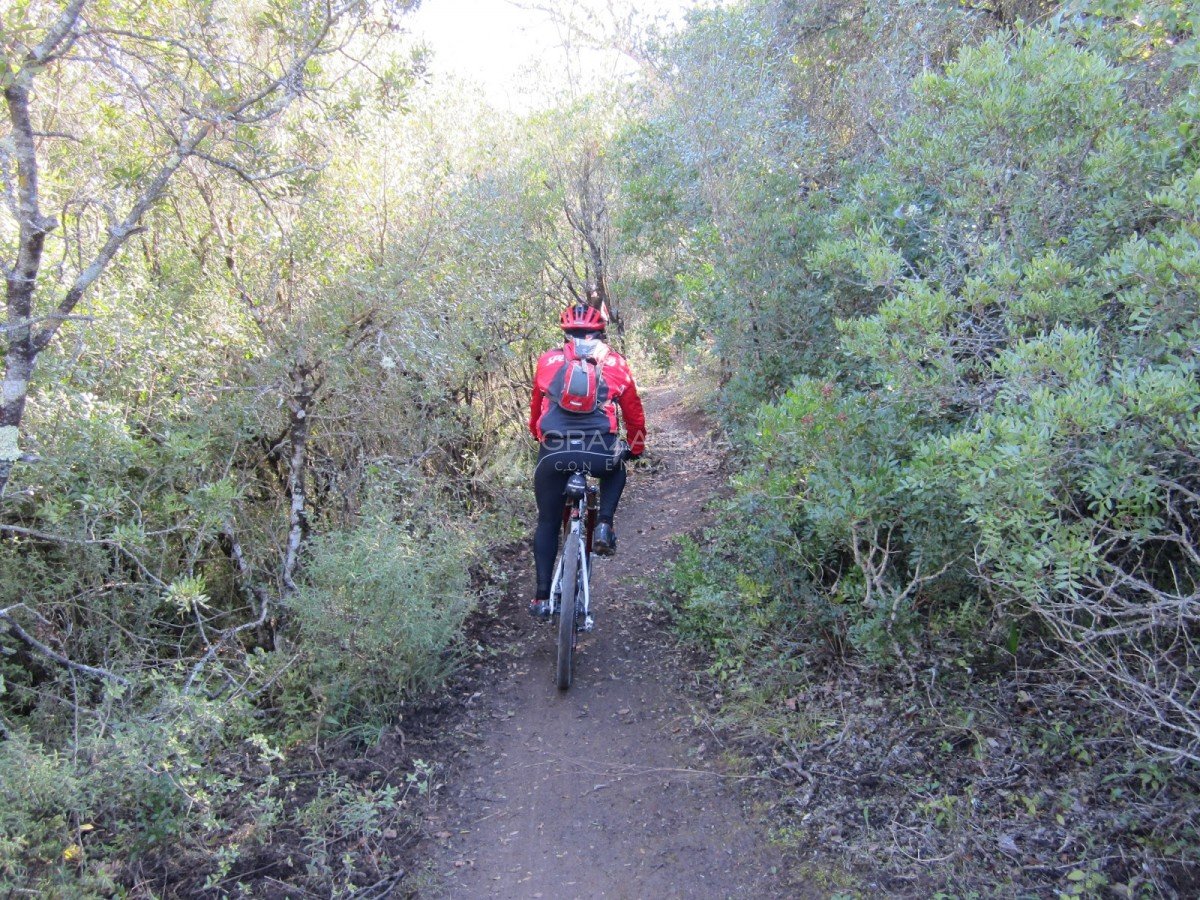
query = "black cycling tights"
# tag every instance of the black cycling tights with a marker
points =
(597, 454)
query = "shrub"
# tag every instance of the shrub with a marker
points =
(1019, 416)
(379, 613)
(825, 515)
(138, 788)
(1056, 358)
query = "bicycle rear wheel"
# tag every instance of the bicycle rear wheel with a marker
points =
(566, 611)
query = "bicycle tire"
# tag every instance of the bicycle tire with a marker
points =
(566, 612)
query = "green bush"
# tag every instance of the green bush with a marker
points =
(1020, 415)
(825, 519)
(379, 614)
(749, 623)
(791, 95)
(1056, 356)
(138, 787)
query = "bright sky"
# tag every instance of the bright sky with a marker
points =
(496, 43)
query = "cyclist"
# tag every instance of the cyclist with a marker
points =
(580, 441)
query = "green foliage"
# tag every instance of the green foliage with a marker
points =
(748, 624)
(725, 176)
(379, 615)
(826, 514)
(343, 813)
(180, 784)
(315, 347)
(137, 786)
(1013, 410)
(1064, 362)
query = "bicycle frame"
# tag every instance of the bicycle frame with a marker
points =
(576, 511)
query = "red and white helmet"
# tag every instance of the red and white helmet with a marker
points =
(581, 317)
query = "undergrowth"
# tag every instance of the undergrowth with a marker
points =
(146, 809)
(287, 768)
(986, 774)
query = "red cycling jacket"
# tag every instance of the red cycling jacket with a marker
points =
(616, 388)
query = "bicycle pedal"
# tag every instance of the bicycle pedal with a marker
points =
(588, 624)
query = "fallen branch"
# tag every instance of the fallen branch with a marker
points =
(382, 888)
(85, 542)
(33, 643)
(243, 566)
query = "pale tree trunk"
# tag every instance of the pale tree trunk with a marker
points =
(21, 277)
(587, 214)
(304, 387)
(25, 342)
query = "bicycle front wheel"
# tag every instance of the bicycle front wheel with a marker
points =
(566, 611)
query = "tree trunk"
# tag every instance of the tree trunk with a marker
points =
(303, 389)
(21, 354)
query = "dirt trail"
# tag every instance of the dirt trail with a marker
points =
(606, 790)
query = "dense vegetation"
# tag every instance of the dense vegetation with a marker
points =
(272, 301)
(284, 298)
(948, 291)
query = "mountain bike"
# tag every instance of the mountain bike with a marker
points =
(570, 592)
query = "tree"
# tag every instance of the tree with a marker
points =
(583, 184)
(180, 82)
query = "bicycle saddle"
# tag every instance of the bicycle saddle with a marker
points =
(576, 486)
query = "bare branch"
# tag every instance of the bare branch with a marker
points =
(59, 32)
(33, 643)
(85, 542)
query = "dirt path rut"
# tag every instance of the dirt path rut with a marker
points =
(607, 790)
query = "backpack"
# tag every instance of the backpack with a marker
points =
(580, 379)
